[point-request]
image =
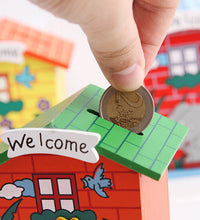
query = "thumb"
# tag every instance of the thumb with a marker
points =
(117, 48)
(112, 34)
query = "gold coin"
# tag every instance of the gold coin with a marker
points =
(130, 110)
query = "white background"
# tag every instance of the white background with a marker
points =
(184, 192)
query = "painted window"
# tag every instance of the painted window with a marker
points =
(4, 88)
(56, 192)
(183, 60)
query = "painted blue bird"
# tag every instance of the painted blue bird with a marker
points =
(98, 182)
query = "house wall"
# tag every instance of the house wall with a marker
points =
(43, 87)
(124, 198)
(166, 96)
(154, 198)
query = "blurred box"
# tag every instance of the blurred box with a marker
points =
(174, 82)
(32, 72)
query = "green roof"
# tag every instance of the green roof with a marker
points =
(149, 154)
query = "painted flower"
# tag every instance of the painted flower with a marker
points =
(6, 123)
(43, 104)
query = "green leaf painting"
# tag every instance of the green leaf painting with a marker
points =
(7, 107)
(188, 80)
(8, 215)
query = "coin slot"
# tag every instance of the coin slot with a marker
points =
(91, 111)
(141, 134)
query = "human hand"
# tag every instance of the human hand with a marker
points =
(124, 35)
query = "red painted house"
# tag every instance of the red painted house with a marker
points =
(41, 186)
(177, 64)
(57, 185)
(174, 82)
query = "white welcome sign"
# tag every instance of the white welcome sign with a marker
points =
(70, 143)
(12, 52)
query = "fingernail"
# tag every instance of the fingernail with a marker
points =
(128, 79)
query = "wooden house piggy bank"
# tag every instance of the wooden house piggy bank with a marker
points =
(32, 72)
(52, 170)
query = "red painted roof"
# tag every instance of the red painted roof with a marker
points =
(180, 38)
(38, 44)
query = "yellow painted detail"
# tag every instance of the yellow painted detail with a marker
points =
(62, 218)
(60, 77)
(44, 86)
